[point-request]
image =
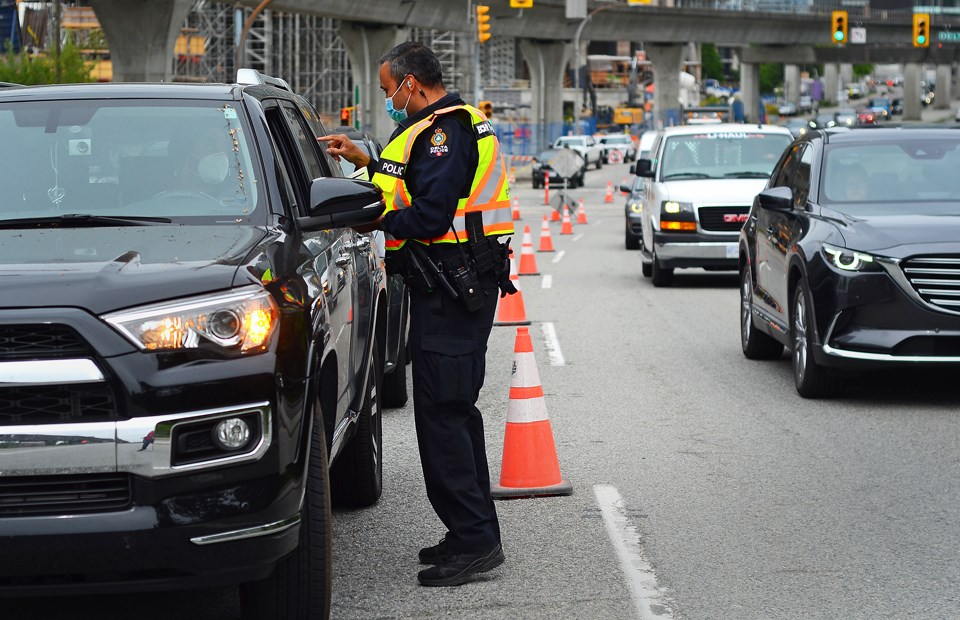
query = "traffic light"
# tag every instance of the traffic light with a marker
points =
(345, 114)
(838, 21)
(921, 30)
(487, 108)
(521, 4)
(483, 23)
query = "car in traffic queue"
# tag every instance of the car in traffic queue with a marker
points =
(798, 126)
(633, 213)
(395, 356)
(787, 108)
(846, 117)
(697, 189)
(867, 116)
(620, 142)
(190, 366)
(587, 146)
(881, 107)
(543, 169)
(824, 120)
(850, 258)
(896, 105)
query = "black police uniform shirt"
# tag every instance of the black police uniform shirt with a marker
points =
(437, 178)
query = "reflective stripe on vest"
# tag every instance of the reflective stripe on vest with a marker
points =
(489, 192)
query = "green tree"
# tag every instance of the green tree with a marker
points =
(771, 77)
(26, 69)
(710, 57)
(861, 70)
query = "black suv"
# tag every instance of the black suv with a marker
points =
(190, 334)
(851, 256)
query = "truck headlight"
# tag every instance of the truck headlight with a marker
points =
(241, 321)
(849, 260)
(672, 207)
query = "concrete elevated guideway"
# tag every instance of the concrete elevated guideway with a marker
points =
(142, 34)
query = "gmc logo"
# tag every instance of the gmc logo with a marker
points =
(734, 218)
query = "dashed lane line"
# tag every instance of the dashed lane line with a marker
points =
(648, 599)
(559, 256)
(552, 344)
(546, 281)
(577, 237)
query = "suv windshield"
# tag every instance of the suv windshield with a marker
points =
(718, 155)
(574, 141)
(125, 159)
(882, 176)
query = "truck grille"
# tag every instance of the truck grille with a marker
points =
(722, 219)
(56, 404)
(33, 496)
(40, 342)
(936, 279)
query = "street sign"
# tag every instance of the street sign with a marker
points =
(858, 35)
(948, 36)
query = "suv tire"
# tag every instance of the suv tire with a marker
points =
(395, 383)
(356, 479)
(756, 345)
(301, 584)
(812, 379)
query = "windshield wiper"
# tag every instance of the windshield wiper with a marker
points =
(79, 220)
(688, 175)
(748, 174)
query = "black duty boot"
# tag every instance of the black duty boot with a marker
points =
(455, 570)
(434, 554)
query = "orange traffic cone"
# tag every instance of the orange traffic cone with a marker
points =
(530, 467)
(516, 208)
(528, 260)
(546, 241)
(510, 309)
(581, 214)
(554, 215)
(512, 179)
(567, 227)
(609, 196)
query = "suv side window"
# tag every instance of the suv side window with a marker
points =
(783, 177)
(313, 121)
(801, 178)
(288, 154)
(306, 143)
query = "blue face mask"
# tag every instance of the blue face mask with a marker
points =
(398, 116)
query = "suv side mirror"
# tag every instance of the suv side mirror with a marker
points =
(776, 199)
(337, 202)
(644, 168)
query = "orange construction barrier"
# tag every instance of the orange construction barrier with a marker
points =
(546, 188)
(567, 227)
(581, 214)
(530, 467)
(516, 208)
(528, 260)
(546, 241)
(609, 196)
(510, 309)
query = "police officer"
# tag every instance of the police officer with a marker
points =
(447, 199)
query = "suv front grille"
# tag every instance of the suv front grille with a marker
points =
(56, 404)
(936, 279)
(34, 496)
(722, 219)
(40, 342)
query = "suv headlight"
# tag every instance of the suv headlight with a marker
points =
(241, 321)
(636, 206)
(849, 260)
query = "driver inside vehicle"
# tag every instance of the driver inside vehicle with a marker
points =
(204, 160)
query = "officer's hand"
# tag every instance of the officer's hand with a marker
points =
(339, 145)
(368, 228)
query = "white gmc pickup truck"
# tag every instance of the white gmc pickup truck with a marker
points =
(589, 149)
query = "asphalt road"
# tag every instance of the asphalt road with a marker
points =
(704, 487)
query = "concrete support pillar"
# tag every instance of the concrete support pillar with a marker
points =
(912, 73)
(142, 35)
(750, 91)
(547, 62)
(831, 82)
(791, 83)
(846, 73)
(666, 79)
(944, 87)
(364, 44)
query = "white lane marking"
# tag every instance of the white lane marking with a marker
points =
(577, 237)
(546, 281)
(597, 223)
(648, 599)
(559, 255)
(552, 344)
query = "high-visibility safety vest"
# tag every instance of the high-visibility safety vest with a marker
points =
(489, 192)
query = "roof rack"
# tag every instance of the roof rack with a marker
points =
(250, 77)
(8, 85)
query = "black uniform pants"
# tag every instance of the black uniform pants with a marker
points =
(448, 347)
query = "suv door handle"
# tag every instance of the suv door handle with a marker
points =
(363, 243)
(342, 260)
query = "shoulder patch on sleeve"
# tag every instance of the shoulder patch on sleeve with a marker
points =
(438, 143)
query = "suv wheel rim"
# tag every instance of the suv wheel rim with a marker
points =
(746, 308)
(800, 337)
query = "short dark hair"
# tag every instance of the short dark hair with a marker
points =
(416, 59)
